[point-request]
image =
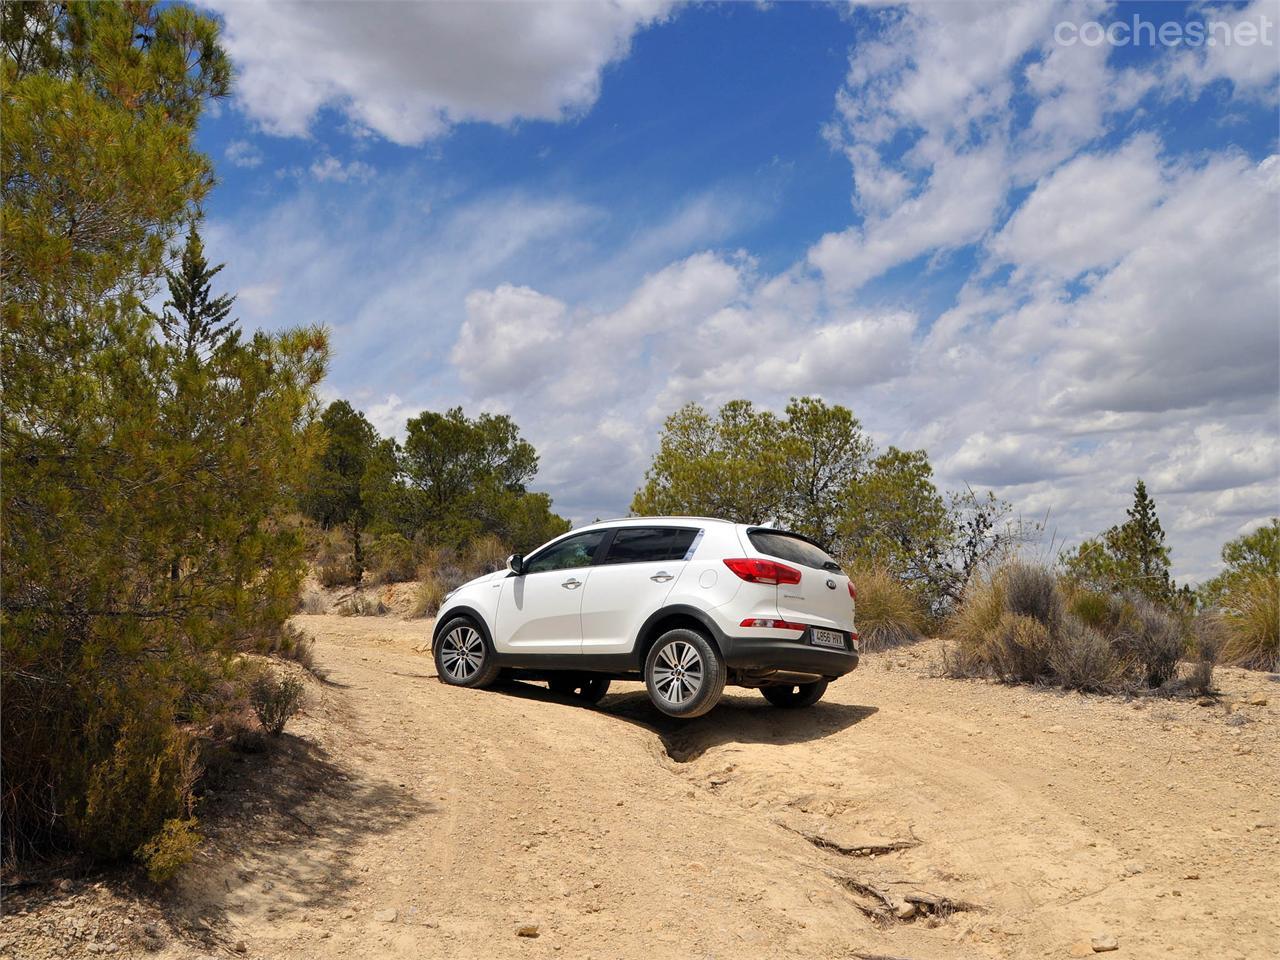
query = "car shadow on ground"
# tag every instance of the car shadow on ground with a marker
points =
(743, 716)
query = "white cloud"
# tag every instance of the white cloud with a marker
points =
(331, 168)
(407, 71)
(242, 153)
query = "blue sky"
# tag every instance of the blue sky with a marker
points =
(1053, 264)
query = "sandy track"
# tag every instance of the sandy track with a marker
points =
(411, 819)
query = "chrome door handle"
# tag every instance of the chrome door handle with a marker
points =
(661, 577)
(571, 584)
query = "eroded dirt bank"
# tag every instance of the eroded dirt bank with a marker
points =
(415, 820)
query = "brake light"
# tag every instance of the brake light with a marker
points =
(754, 570)
(771, 624)
(853, 594)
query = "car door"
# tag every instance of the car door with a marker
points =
(639, 568)
(540, 611)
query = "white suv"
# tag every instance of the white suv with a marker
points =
(686, 603)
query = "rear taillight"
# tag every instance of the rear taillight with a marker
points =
(771, 624)
(763, 571)
(853, 594)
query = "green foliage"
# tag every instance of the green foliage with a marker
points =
(143, 537)
(336, 491)
(169, 850)
(275, 701)
(465, 477)
(1257, 552)
(1129, 557)
(199, 321)
(814, 471)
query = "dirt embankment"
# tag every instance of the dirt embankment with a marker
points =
(905, 816)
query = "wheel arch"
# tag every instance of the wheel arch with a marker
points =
(672, 618)
(461, 611)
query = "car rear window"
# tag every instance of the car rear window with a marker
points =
(650, 544)
(784, 546)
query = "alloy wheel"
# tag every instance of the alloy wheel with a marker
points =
(462, 653)
(677, 674)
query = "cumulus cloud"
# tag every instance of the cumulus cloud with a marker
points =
(408, 71)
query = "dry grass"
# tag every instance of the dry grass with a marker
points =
(362, 605)
(1251, 613)
(485, 554)
(888, 613)
(1019, 625)
(392, 559)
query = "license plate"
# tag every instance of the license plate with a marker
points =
(827, 638)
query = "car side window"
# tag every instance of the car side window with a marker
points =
(650, 544)
(567, 554)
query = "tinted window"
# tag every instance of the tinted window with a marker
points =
(572, 552)
(786, 547)
(649, 544)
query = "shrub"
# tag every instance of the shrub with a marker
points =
(275, 701)
(144, 781)
(392, 559)
(339, 572)
(1019, 648)
(973, 622)
(1153, 638)
(485, 554)
(1093, 608)
(1032, 591)
(170, 849)
(312, 603)
(362, 605)
(1081, 658)
(888, 613)
(1209, 632)
(439, 574)
(1251, 613)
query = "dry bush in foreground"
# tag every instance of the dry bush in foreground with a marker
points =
(275, 701)
(1081, 658)
(888, 613)
(485, 554)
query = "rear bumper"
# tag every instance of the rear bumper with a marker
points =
(760, 655)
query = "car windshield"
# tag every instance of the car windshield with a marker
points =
(786, 546)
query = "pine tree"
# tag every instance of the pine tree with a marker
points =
(1139, 545)
(199, 321)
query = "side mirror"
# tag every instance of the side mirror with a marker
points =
(515, 563)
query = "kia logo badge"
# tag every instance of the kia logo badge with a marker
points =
(831, 584)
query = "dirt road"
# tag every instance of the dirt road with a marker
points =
(415, 820)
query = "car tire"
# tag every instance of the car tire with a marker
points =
(684, 673)
(791, 695)
(463, 655)
(589, 688)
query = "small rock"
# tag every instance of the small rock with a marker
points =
(1056, 728)
(1191, 876)
(1104, 943)
(1257, 700)
(1082, 949)
(1205, 701)
(905, 910)
(65, 886)
(1133, 868)
(240, 947)
(527, 930)
(386, 916)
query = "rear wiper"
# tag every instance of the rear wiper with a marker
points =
(830, 565)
